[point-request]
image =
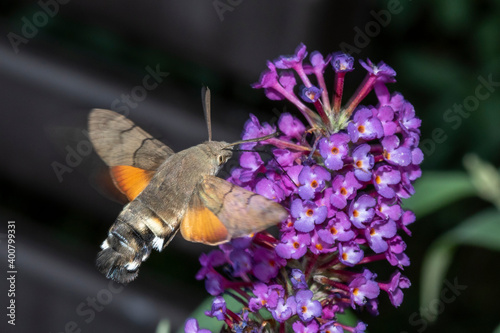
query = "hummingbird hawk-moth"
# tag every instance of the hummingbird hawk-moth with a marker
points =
(169, 191)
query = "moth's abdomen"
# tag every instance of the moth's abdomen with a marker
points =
(135, 232)
(122, 253)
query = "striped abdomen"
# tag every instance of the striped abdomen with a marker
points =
(136, 231)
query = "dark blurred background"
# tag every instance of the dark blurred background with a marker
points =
(59, 59)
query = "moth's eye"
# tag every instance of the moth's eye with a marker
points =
(221, 159)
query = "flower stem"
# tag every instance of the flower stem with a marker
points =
(361, 93)
(287, 145)
(332, 261)
(375, 257)
(335, 284)
(236, 287)
(300, 70)
(237, 298)
(311, 263)
(286, 280)
(324, 92)
(322, 114)
(338, 91)
(310, 116)
(233, 316)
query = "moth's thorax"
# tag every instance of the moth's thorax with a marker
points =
(175, 180)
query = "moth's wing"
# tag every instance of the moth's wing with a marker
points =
(131, 180)
(200, 225)
(242, 212)
(132, 154)
(118, 141)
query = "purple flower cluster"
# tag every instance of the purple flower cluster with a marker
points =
(342, 178)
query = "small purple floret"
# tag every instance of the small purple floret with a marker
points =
(192, 327)
(363, 287)
(312, 180)
(307, 309)
(342, 62)
(361, 210)
(218, 309)
(298, 279)
(365, 126)
(284, 309)
(363, 162)
(334, 150)
(307, 214)
(310, 94)
(350, 253)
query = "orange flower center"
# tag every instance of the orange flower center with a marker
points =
(309, 212)
(311, 95)
(378, 180)
(335, 150)
(319, 247)
(343, 191)
(372, 232)
(333, 230)
(361, 129)
(314, 184)
(296, 245)
(359, 164)
(355, 213)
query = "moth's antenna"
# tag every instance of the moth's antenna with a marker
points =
(205, 98)
(262, 138)
(275, 160)
(314, 147)
(284, 171)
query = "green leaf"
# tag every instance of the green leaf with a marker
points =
(453, 15)
(434, 267)
(163, 326)
(430, 72)
(405, 19)
(481, 230)
(438, 189)
(212, 323)
(487, 32)
(485, 178)
(347, 318)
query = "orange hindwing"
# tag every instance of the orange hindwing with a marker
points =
(131, 180)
